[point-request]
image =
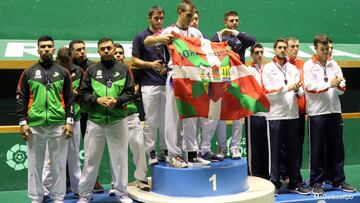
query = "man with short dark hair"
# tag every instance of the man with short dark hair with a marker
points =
(136, 135)
(78, 53)
(239, 42)
(151, 64)
(64, 59)
(107, 88)
(292, 53)
(45, 113)
(256, 128)
(282, 83)
(324, 83)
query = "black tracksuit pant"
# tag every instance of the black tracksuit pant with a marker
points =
(284, 133)
(257, 146)
(326, 142)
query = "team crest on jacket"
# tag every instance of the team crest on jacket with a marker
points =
(56, 74)
(38, 74)
(98, 74)
(116, 74)
(72, 75)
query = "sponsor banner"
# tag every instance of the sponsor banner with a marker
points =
(27, 50)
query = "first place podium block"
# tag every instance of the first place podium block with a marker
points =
(225, 181)
(220, 178)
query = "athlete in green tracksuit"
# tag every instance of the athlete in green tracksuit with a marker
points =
(107, 88)
(45, 113)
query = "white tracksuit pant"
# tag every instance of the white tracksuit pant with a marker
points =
(153, 98)
(192, 133)
(73, 162)
(115, 135)
(172, 120)
(221, 133)
(136, 138)
(208, 131)
(236, 131)
(36, 147)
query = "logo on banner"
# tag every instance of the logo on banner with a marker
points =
(16, 157)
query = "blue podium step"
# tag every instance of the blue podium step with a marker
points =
(220, 178)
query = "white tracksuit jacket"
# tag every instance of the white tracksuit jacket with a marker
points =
(283, 104)
(320, 97)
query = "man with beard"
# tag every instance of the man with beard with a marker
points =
(45, 113)
(282, 83)
(107, 88)
(151, 63)
(63, 58)
(78, 54)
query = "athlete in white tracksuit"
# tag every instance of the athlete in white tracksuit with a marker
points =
(172, 121)
(281, 81)
(324, 83)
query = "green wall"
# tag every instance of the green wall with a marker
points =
(121, 20)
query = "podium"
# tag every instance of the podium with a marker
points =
(225, 181)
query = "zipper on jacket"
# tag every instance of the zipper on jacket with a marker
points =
(108, 85)
(48, 86)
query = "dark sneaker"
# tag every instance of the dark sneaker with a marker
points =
(98, 188)
(345, 187)
(211, 157)
(163, 156)
(153, 160)
(300, 189)
(143, 185)
(46, 198)
(327, 181)
(317, 190)
(76, 196)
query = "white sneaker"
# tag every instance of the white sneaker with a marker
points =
(203, 161)
(235, 154)
(112, 192)
(84, 200)
(125, 199)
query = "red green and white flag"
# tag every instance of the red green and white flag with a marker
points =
(210, 81)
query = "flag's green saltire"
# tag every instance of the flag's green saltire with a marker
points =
(246, 101)
(225, 61)
(185, 109)
(193, 58)
(198, 89)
